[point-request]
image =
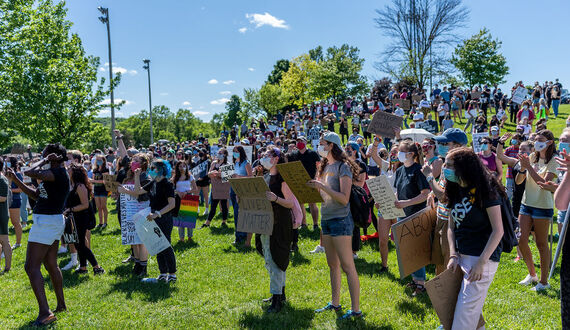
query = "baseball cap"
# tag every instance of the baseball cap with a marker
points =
(453, 134)
(494, 128)
(332, 137)
(302, 138)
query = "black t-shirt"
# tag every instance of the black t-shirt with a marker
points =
(472, 226)
(309, 160)
(53, 194)
(99, 188)
(159, 193)
(409, 183)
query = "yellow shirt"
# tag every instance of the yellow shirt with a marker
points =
(534, 195)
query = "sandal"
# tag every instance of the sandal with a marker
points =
(48, 320)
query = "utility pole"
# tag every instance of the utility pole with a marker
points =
(146, 66)
(105, 20)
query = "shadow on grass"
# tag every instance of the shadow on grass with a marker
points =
(298, 259)
(182, 246)
(288, 318)
(413, 307)
(364, 267)
(239, 249)
(222, 230)
(105, 232)
(360, 323)
(151, 292)
(312, 234)
(70, 279)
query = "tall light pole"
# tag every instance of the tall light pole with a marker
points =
(105, 20)
(146, 66)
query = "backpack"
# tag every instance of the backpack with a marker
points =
(359, 206)
(509, 239)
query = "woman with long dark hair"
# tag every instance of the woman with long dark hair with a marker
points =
(184, 184)
(474, 199)
(220, 190)
(78, 204)
(49, 224)
(334, 182)
(243, 169)
(16, 202)
(99, 191)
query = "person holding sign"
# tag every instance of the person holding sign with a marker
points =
(161, 195)
(412, 191)
(474, 197)
(243, 169)
(334, 183)
(275, 247)
(220, 190)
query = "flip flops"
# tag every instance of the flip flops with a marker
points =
(48, 320)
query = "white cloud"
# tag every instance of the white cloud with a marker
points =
(251, 69)
(164, 94)
(186, 103)
(242, 30)
(188, 108)
(212, 81)
(229, 82)
(225, 93)
(266, 19)
(221, 101)
(133, 72)
(102, 69)
(105, 112)
(117, 101)
(200, 113)
(118, 69)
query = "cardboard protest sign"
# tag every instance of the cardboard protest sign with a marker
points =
(413, 240)
(384, 196)
(519, 95)
(199, 171)
(129, 207)
(226, 172)
(443, 291)
(255, 211)
(475, 95)
(383, 124)
(404, 104)
(151, 236)
(214, 150)
(111, 183)
(272, 128)
(416, 99)
(296, 178)
(476, 137)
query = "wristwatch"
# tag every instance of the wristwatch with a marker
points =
(158, 212)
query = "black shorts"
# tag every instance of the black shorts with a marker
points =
(203, 182)
(367, 135)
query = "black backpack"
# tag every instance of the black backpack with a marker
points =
(509, 240)
(359, 206)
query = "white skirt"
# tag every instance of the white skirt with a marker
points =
(47, 228)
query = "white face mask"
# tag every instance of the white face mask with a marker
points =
(266, 163)
(322, 151)
(539, 146)
(402, 156)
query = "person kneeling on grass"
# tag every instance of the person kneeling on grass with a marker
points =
(275, 247)
(162, 202)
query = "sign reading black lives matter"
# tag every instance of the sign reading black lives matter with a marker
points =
(383, 124)
(255, 211)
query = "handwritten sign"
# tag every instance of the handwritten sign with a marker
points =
(384, 196)
(255, 211)
(404, 104)
(150, 234)
(272, 128)
(416, 99)
(214, 150)
(129, 207)
(383, 124)
(413, 240)
(201, 170)
(443, 291)
(111, 183)
(296, 177)
(226, 172)
(475, 95)
(519, 95)
(476, 138)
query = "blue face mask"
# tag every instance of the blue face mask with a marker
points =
(153, 174)
(514, 141)
(564, 145)
(236, 155)
(442, 150)
(484, 147)
(99, 162)
(449, 175)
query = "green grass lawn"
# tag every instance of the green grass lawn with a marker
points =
(220, 286)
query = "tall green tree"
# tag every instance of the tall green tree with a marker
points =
(49, 84)
(233, 109)
(278, 70)
(479, 60)
(250, 106)
(296, 81)
(271, 99)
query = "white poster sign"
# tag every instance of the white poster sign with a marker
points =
(384, 196)
(151, 236)
(519, 95)
(129, 207)
(476, 137)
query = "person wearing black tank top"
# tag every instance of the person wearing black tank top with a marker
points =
(49, 224)
(275, 247)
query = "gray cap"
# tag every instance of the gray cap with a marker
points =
(332, 137)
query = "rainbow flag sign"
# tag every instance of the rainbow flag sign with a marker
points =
(188, 212)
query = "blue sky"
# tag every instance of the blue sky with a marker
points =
(201, 51)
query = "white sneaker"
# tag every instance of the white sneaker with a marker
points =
(529, 280)
(15, 246)
(318, 249)
(540, 287)
(71, 264)
(62, 250)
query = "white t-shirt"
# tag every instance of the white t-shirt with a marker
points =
(184, 186)
(371, 161)
(399, 112)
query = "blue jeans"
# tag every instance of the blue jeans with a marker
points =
(555, 105)
(24, 208)
(240, 236)
(419, 275)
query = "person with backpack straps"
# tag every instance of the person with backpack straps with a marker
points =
(363, 208)
(475, 232)
(275, 248)
(412, 190)
(334, 183)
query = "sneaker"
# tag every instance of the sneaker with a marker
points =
(162, 277)
(383, 270)
(98, 271)
(70, 265)
(529, 280)
(355, 256)
(329, 307)
(318, 249)
(15, 246)
(419, 290)
(104, 226)
(351, 314)
(540, 287)
(316, 228)
(129, 259)
(171, 278)
(62, 250)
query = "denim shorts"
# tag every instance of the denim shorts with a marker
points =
(561, 216)
(338, 226)
(536, 213)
